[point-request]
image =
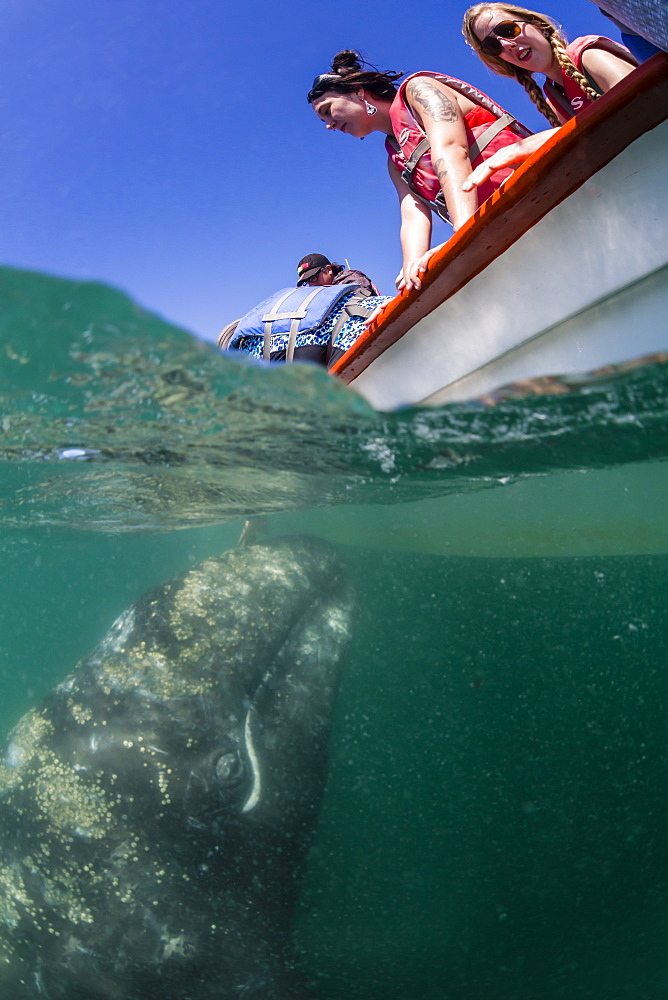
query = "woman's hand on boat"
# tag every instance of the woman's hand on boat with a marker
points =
(508, 156)
(410, 276)
(411, 273)
(415, 229)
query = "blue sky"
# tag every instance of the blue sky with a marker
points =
(166, 147)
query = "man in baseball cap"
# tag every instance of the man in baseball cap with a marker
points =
(309, 268)
(316, 269)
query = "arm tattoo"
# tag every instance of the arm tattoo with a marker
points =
(436, 104)
(439, 167)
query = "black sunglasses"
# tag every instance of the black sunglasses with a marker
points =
(491, 45)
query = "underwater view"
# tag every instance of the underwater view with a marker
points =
(479, 812)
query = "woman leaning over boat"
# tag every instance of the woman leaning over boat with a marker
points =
(517, 42)
(435, 125)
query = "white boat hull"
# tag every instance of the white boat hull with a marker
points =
(585, 287)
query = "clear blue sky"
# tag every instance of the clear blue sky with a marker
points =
(166, 147)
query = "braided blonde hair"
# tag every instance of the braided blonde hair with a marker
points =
(557, 41)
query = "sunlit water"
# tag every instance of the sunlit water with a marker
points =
(495, 823)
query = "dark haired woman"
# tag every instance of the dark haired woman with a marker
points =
(436, 127)
(517, 42)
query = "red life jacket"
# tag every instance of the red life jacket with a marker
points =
(568, 98)
(488, 128)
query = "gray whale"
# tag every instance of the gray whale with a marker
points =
(157, 809)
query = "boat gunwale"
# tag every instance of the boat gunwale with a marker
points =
(577, 151)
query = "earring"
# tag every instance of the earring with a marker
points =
(370, 108)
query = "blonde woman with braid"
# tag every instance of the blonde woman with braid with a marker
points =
(517, 42)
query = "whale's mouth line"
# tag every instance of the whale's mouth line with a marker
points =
(256, 789)
(282, 665)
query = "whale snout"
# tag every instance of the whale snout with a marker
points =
(178, 771)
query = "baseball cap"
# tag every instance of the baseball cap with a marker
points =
(309, 265)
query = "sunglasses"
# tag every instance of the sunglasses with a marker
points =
(491, 45)
(321, 85)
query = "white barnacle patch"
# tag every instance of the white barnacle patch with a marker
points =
(120, 631)
(178, 944)
(14, 756)
(70, 804)
(277, 573)
(80, 713)
(14, 898)
(256, 790)
(26, 737)
(338, 620)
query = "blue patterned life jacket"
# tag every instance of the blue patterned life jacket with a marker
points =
(291, 312)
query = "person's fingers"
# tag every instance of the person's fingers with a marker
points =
(509, 156)
(413, 276)
(483, 172)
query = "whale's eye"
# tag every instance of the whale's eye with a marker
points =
(229, 767)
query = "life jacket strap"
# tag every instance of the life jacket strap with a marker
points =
(351, 308)
(484, 139)
(557, 99)
(557, 95)
(295, 315)
(226, 335)
(438, 204)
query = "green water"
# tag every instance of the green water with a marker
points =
(495, 820)
(496, 823)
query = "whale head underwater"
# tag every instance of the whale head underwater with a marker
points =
(157, 809)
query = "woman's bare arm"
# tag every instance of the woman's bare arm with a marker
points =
(415, 232)
(605, 68)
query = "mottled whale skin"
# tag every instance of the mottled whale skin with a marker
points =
(157, 809)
